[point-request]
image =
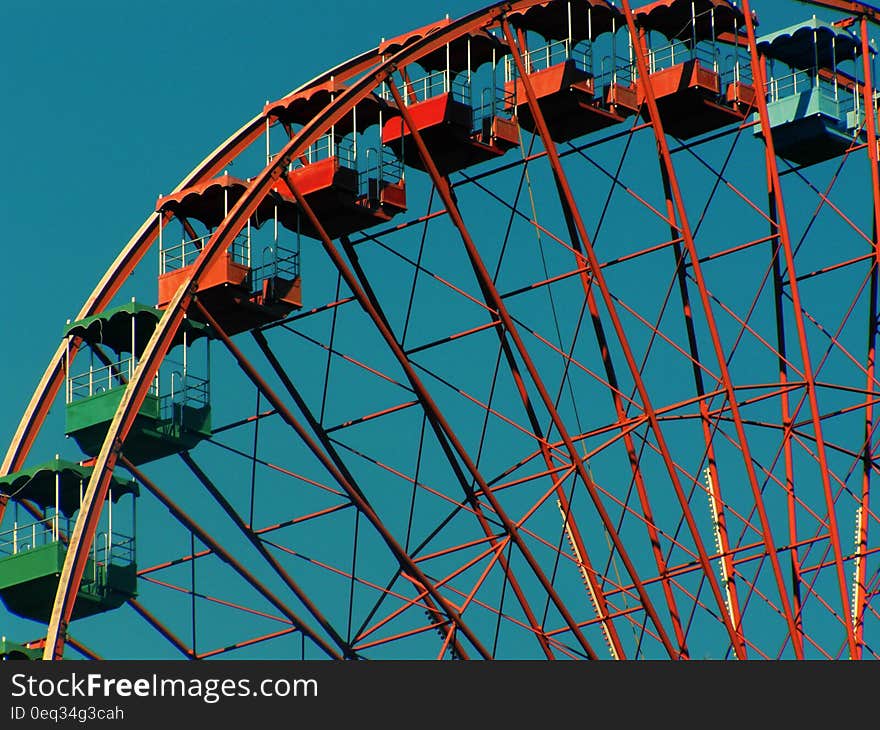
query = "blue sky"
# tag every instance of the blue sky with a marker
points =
(112, 105)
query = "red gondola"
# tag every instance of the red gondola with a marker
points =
(696, 90)
(572, 99)
(457, 131)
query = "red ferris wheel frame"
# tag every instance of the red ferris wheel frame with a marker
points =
(371, 69)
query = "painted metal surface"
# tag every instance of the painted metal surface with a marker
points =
(649, 591)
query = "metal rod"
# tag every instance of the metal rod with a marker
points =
(406, 562)
(227, 557)
(860, 597)
(598, 280)
(794, 295)
(254, 539)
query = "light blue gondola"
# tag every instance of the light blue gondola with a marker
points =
(815, 108)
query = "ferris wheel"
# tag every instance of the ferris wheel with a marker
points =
(548, 331)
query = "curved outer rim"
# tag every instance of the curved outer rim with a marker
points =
(46, 390)
(158, 346)
(138, 245)
(128, 259)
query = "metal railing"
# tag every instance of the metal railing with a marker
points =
(430, 85)
(736, 69)
(180, 255)
(185, 389)
(107, 548)
(278, 262)
(116, 550)
(494, 102)
(781, 87)
(798, 82)
(32, 535)
(99, 380)
(615, 70)
(678, 52)
(556, 52)
(326, 146)
(379, 167)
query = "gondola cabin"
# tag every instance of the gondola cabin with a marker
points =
(175, 415)
(699, 85)
(562, 68)
(349, 184)
(32, 550)
(256, 280)
(815, 109)
(11, 651)
(461, 122)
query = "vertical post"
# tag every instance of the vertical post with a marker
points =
(736, 73)
(109, 528)
(613, 78)
(183, 385)
(69, 389)
(568, 45)
(693, 32)
(629, 43)
(494, 93)
(684, 226)
(57, 506)
(354, 136)
(860, 599)
(714, 41)
(208, 369)
(785, 408)
(592, 67)
(161, 247)
(268, 146)
(834, 66)
(133, 529)
(131, 362)
(786, 250)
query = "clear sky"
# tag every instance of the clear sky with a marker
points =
(111, 105)
(108, 105)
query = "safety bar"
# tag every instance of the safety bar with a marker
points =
(118, 550)
(551, 54)
(104, 378)
(278, 262)
(380, 167)
(326, 146)
(430, 85)
(615, 70)
(678, 52)
(180, 255)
